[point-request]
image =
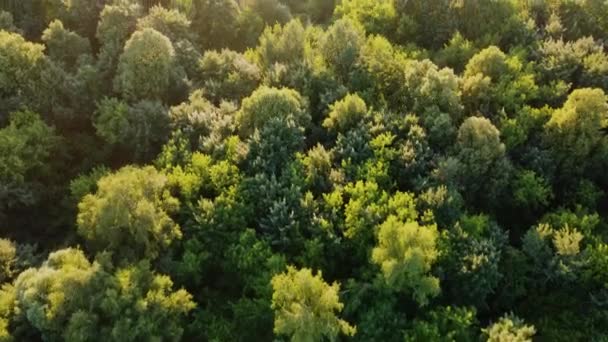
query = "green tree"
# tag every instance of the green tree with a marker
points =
(129, 214)
(490, 62)
(171, 23)
(364, 209)
(80, 15)
(318, 167)
(531, 191)
(554, 253)
(86, 184)
(484, 169)
(70, 298)
(21, 66)
(111, 121)
(145, 66)
(7, 23)
(305, 306)
(445, 324)
(64, 46)
(282, 44)
(341, 45)
(215, 22)
(148, 128)
(456, 53)
(140, 129)
(494, 83)
(246, 256)
(320, 11)
(250, 27)
(273, 146)
(574, 131)
(227, 75)
(32, 16)
(406, 253)
(377, 17)
(429, 86)
(7, 308)
(471, 255)
(581, 19)
(382, 65)
(204, 125)
(266, 103)
(445, 203)
(427, 23)
(345, 114)
(582, 63)
(271, 11)
(177, 27)
(117, 23)
(26, 147)
(433, 94)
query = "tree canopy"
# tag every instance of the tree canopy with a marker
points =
(303, 170)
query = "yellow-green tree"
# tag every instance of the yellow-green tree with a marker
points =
(21, 66)
(70, 298)
(377, 16)
(7, 260)
(346, 114)
(406, 252)
(509, 328)
(305, 307)
(266, 103)
(129, 214)
(574, 131)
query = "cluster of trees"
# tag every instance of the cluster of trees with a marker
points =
(367, 170)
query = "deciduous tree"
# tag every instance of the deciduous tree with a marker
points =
(510, 328)
(406, 253)
(71, 298)
(129, 214)
(227, 75)
(64, 46)
(266, 103)
(145, 66)
(574, 131)
(306, 306)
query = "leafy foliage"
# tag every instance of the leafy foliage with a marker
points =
(69, 297)
(227, 75)
(510, 328)
(26, 147)
(144, 68)
(21, 68)
(305, 306)
(129, 214)
(443, 161)
(406, 253)
(266, 103)
(63, 45)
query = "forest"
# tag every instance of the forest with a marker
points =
(304, 170)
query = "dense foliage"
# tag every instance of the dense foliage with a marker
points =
(304, 170)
